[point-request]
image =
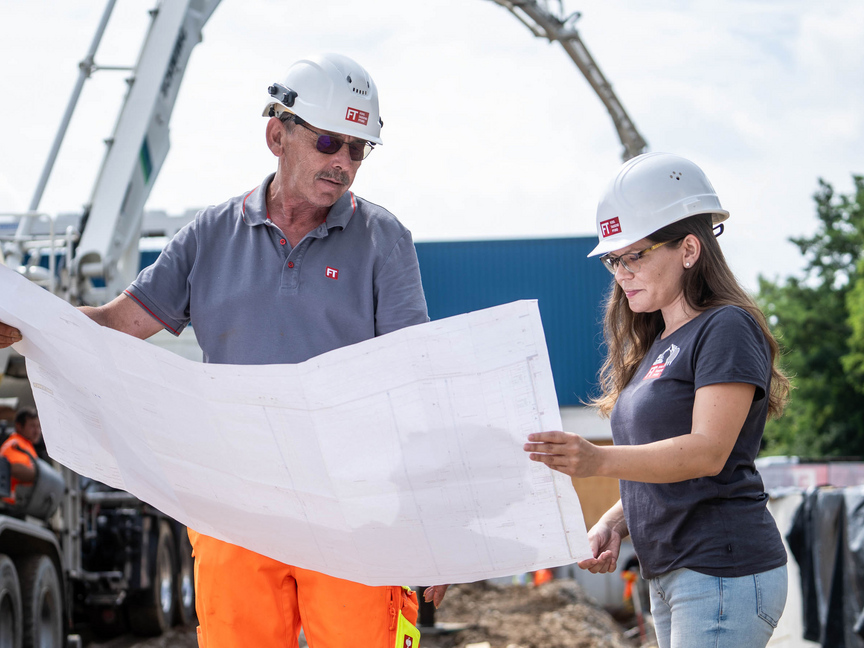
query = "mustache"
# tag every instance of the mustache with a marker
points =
(339, 176)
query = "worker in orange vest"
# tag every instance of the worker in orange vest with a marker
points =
(19, 449)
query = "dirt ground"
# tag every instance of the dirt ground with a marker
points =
(557, 614)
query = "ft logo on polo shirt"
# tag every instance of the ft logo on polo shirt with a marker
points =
(331, 273)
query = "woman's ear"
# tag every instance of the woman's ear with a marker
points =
(691, 249)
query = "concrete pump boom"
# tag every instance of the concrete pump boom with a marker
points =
(110, 228)
(109, 242)
(535, 15)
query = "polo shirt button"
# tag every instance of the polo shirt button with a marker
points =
(283, 241)
(290, 264)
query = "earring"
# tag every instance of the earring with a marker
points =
(687, 265)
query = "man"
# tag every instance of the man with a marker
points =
(19, 449)
(292, 269)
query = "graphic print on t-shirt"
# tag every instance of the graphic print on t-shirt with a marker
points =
(663, 360)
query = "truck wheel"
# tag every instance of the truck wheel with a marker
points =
(10, 605)
(43, 604)
(151, 613)
(185, 582)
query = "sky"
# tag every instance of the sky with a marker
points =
(489, 131)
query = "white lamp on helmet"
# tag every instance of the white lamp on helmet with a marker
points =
(649, 192)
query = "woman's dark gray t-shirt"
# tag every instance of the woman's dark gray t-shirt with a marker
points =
(719, 525)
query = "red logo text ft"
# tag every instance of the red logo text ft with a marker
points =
(610, 227)
(655, 371)
(356, 115)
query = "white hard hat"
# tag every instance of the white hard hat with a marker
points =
(649, 192)
(331, 92)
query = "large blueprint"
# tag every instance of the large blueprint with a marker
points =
(394, 461)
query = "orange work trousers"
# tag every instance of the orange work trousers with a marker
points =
(245, 599)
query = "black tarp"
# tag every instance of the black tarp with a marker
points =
(827, 540)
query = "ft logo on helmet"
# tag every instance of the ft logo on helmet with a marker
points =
(355, 115)
(610, 227)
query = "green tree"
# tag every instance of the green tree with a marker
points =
(819, 320)
(853, 361)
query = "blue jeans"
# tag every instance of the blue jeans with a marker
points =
(693, 610)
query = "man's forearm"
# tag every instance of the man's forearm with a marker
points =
(125, 315)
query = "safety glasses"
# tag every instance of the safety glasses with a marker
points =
(329, 144)
(631, 262)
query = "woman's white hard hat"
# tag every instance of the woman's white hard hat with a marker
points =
(331, 92)
(649, 192)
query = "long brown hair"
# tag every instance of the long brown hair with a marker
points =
(708, 284)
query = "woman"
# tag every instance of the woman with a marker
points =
(689, 380)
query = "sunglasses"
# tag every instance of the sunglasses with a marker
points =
(330, 144)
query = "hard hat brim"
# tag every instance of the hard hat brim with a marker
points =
(611, 244)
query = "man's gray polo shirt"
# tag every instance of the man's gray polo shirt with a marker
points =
(252, 299)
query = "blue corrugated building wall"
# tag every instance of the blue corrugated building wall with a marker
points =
(463, 276)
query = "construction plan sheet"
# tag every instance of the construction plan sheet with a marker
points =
(398, 460)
